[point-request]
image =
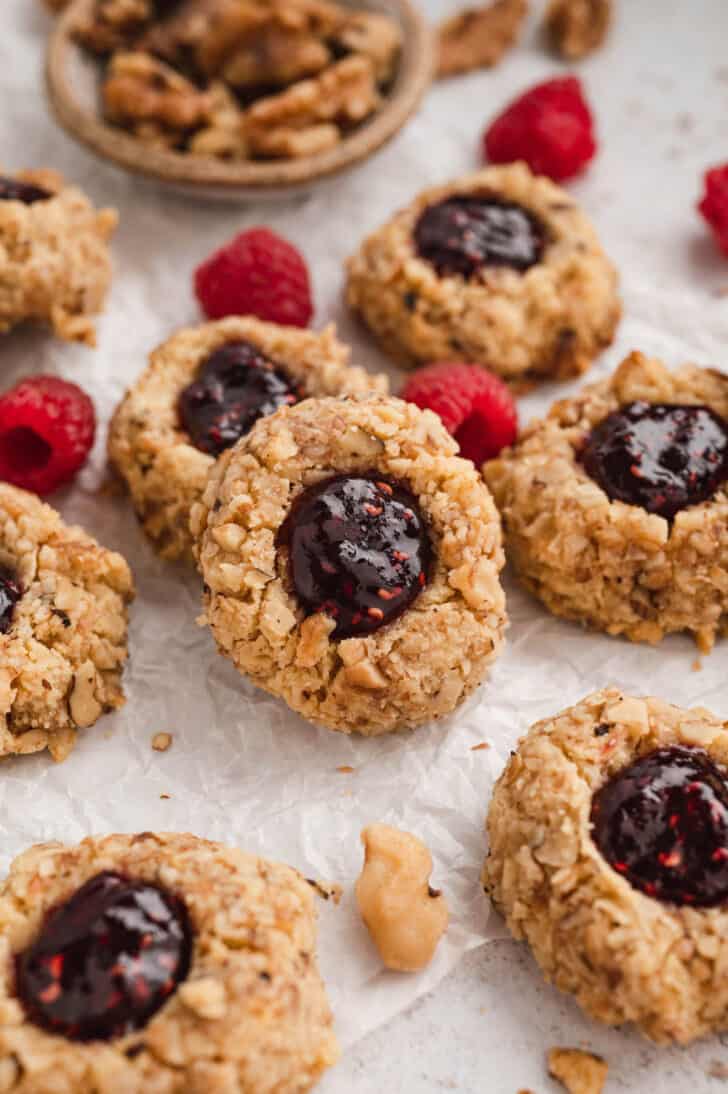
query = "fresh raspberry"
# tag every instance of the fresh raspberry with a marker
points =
(714, 205)
(550, 127)
(257, 273)
(47, 429)
(475, 406)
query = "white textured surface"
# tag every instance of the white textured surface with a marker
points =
(241, 768)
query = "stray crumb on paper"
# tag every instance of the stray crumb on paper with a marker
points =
(481, 747)
(697, 665)
(161, 741)
(327, 890)
(579, 1072)
(717, 1070)
(345, 770)
(165, 796)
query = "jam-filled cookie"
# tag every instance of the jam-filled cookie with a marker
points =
(54, 256)
(615, 506)
(201, 392)
(159, 962)
(500, 268)
(351, 563)
(608, 839)
(63, 624)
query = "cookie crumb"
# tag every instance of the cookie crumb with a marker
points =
(578, 27)
(479, 748)
(579, 1072)
(161, 741)
(697, 665)
(345, 769)
(478, 37)
(165, 796)
(717, 1070)
(327, 890)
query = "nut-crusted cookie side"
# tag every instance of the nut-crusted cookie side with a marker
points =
(64, 651)
(612, 565)
(626, 956)
(165, 473)
(252, 1013)
(414, 669)
(54, 259)
(547, 321)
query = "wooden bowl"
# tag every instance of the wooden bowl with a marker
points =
(73, 80)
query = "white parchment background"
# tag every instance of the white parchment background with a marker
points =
(242, 768)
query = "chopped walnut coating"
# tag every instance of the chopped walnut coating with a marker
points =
(139, 89)
(577, 27)
(579, 1072)
(478, 37)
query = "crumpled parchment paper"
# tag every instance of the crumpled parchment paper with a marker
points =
(242, 768)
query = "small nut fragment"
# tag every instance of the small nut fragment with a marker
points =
(579, 1072)
(404, 916)
(478, 37)
(83, 704)
(161, 741)
(576, 27)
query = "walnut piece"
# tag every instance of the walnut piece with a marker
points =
(374, 36)
(345, 93)
(161, 742)
(114, 24)
(404, 916)
(139, 89)
(577, 27)
(578, 1072)
(478, 37)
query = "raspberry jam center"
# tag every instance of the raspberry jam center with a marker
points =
(659, 456)
(10, 594)
(234, 387)
(105, 961)
(462, 234)
(13, 190)
(662, 823)
(358, 549)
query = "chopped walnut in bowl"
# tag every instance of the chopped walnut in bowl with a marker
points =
(237, 84)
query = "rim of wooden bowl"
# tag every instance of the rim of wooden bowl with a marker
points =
(414, 76)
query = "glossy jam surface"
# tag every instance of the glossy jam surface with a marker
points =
(358, 549)
(14, 190)
(10, 594)
(662, 823)
(463, 234)
(659, 456)
(105, 961)
(234, 387)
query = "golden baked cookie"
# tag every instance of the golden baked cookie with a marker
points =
(608, 854)
(54, 256)
(191, 969)
(202, 390)
(351, 563)
(63, 624)
(615, 506)
(500, 268)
